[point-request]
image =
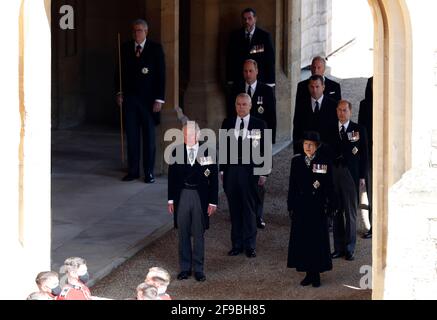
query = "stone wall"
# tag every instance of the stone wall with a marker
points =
(316, 29)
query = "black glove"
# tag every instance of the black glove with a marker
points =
(290, 214)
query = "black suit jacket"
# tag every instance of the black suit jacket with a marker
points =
(332, 90)
(254, 123)
(205, 175)
(365, 115)
(353, 154)
(263, 104)
(305, 119)
(261, 50)
(144, 77)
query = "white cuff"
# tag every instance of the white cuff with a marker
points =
(160, 101)
(170, 201)
(213, 205)
(271, 84)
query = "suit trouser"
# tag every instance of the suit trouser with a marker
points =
(190, 225)
(261, 190)
(344, 222)
(241, 193)
(139, 121)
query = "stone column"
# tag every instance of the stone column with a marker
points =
(170, 41)
(25, 184)
(204, 100)
(288, 56)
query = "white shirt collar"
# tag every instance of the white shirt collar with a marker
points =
(142, 44)
(237, 125)
(246, 121)
(251, 32)
(252, 86)
(346, 125)
(313, 102)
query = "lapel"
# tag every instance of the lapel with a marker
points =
(254, 37)
(351, 127)
(256, 93)
(250, 124)
(145, 48)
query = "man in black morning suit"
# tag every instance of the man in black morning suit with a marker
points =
(317, 112)
(264, 108)
(250, 42)
(142, 96)
(332, 88)
(192, 199)
(245, 138)
(348, 142)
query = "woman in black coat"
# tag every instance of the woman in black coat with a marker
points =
(310, 195)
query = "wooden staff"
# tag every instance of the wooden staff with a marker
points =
(121, 105)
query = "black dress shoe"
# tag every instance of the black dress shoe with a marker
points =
(316, 280)
(149, 178)
(337, 254)
(307, 280)
(260, 224)
(350, 256)
(129, 178)
(184, 275)
(250, 253)
(367, 235)
(200, 276)
(235, 252)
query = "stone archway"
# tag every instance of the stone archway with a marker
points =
(392, 118)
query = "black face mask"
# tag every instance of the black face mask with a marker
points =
(84, 278)
(56, 291)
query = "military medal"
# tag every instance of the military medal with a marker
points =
(145, 70)
(316, 184)
(320, 168)
(207, 173)
(260, 103)
(355, 150)
(353, 136)
(257, 49)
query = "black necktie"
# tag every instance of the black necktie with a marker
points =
(240, 139)
(138, 51)
(342, 133)
(249, 91)
(248, 38)
(317, 108)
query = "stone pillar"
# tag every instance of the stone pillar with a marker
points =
(288, 56)
(204, 100)
(315, 29)
(25, 184)
(170, 42)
